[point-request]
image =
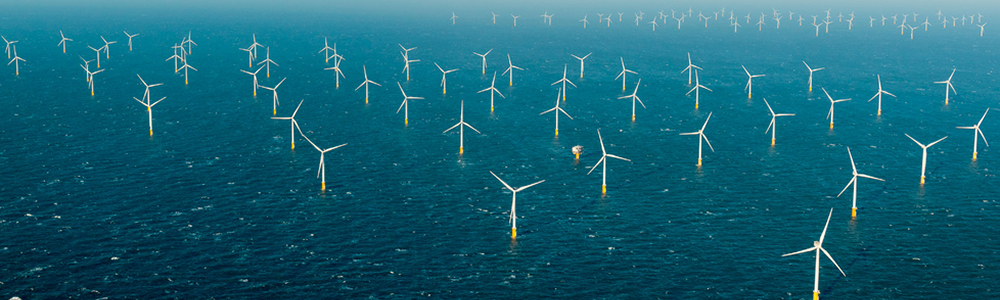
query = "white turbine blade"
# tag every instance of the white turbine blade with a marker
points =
(140, 101)
(452, 127)
(823, 235)
(784, 115)
(501, 181)
(547, 111)
(157, 101)
(834, 262)
(871, 177)
(853, 168)
(706, 141)
(618, 157)
(855, 178)
(401, 106)
(303, 135)
(935, 142)
(887, 93)
(567, 115)
(595, 165)
(331, 148)
(983, 118)
(769, 126)
(769, 105)
(527, 186)
(473, 128)
(706, 123)
(799, 252)
(915, 141)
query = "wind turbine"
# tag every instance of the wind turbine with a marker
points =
(492, 89)
(7, 50)
(510, 69)
(337, 73)
(604, 163)
(829, 115)
(811, 70)
(175, 57)
(145, 95)
(267, 62)
(923, 160)
(854, 181)
(581, 61)
(98, 54)
(774, 125)
(90, 78)
(976, 134)
(557, 109)
(584, 21)
(947, 85)
(62, 42)
(701, 136)
(634, 98)
(879, 94)
(515, 19)
(188, 41)
(322, 158)
(494, 17)
(982, 27)
(407, 61)
(186, 66)
(406, 104)
(696, 89)
(326, 49)
(690, 68)
(444, 79)
(107, 50)
(564, 81)
(365, 83)
(818, 247)
(254, 46)
(294, 123)
(254, 74)
(453, 17)
(484, 59)
(149, 109)
(622, 74)
(130, 36)
(16, 61)
(275, 91)
(749, 87)
(513, 203)
(461, 130)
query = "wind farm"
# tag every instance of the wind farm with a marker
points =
(213, 204)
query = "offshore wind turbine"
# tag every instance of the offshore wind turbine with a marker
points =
(406, 104)
(513, 203)
(461, 130)
(818, 247)
(510, 69)
(268, 62)
(492, 89)
(494, 17)
(581, 61)
(564, 81)
(186, 66)
(977, 132)
(107, 49)
(254, 46)
(337, 73)
(407, 61)
(923, 160)
(879, 95)
(829, 115)
(145, 95)
(584, 21)
(690, 68)
(175, 57)
(453, 17)
(149, 110)
(515, 19)
(749, 87)
(90, 78)
(366, 83)
(254, 74)
(63, 41)
(326, 49)
(854, 181)
(701, 136)
(98, 54)
(484, 59)
(444, 79)
(16, 61)
(774, 125)
(947, 85)
(274, 90)
(189, 42)
(622, 74)
(811, 70)
(130, 36)
(697, 89)
(294, 123)
(9, 43)
(634, 98)
(981, 28)
(322, 158)
(604, 163)
(557, 109)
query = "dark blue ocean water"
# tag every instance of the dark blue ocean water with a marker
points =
(216, 204)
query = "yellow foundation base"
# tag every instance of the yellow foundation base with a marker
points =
(444, 91)
(255, 93)
(366, 100)
(973, 155)
(854, 212)
(772, 142)
(491, 109)
(810, 89)
(699, 163)
(748, 96)
(274, 111)
(696, 106)
(406, 122)
(633, 118)
(831, 125)
(185, 81)
(557, 134)
(577, 156)
(922, 180)
(91, 93)
(322, 186)
(338, 85)
(150, 132)
(461, 150)
(513, 233)
(604, 189)
(815, 295)
(293, 145)
(511, 83)
(879, 113)
(945, 99)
